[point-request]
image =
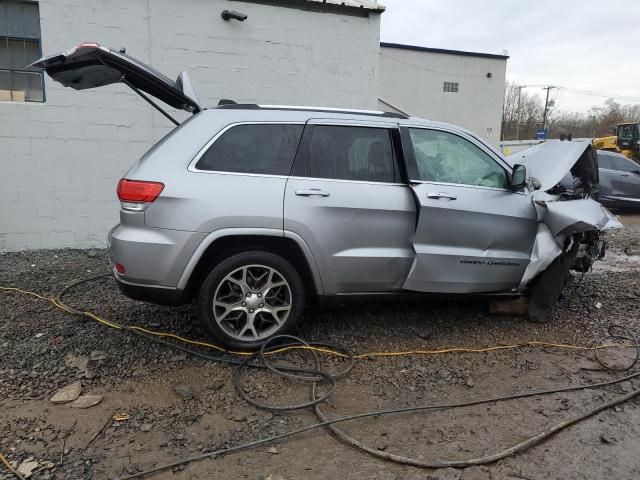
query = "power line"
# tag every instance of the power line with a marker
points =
(589, 93)
(600, 94)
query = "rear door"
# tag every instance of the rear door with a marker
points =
(90, 65)
(473, 233)
(346, 198)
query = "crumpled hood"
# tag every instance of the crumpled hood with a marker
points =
(550, 161)
(559, 219)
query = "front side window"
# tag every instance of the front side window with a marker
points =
(348, 153)
(260, 148)
(447, 158)
(19, 47)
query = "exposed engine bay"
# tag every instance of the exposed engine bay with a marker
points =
(571, 225)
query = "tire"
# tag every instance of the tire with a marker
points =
(257, 295)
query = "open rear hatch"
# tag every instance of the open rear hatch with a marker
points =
(91, 65)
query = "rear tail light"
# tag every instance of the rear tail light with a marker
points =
(136, 195)
(120, 268)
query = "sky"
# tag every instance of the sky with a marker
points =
(588, 45)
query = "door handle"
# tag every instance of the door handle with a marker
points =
(439, 195)
(312, 192)
(625, 175)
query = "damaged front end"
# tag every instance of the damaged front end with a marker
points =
(570, 222)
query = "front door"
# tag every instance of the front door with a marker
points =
(347, 200)
(473, 234)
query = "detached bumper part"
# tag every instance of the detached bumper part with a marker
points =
(568, 237)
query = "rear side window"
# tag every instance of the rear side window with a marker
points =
(347, 153)
(624, 165)
(260, 148)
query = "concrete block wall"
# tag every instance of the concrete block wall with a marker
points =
(60, 160)
(412, 81)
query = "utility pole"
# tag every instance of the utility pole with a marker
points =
(520, 87)
(518, 116)
(546, 107)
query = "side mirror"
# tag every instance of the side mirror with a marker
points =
(518, 177)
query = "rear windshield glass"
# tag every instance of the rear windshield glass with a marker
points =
(264, 149)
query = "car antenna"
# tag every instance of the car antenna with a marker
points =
(153, 104)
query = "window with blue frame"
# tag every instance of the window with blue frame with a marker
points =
(20, 45)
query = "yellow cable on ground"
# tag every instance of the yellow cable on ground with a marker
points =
(110, 324)
(6, 463)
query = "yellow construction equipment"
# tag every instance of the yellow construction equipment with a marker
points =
(625, 141)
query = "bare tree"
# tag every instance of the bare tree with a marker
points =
(522, 113)
(523, 116)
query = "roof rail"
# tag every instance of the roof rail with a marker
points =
(254, 106)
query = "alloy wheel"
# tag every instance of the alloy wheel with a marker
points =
(252, 302)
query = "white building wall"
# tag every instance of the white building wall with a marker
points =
(412, 81)
(60, 160)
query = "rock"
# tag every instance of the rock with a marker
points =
(90, 370)
(184, 392)
(626, 387)
(67, 394)
(425, 335)
(39, 335)
(27, 467)
(145, 427)
(598, 305)
(273, 450)
(215, 385)
(608, 438)
(86, 401)
(274, 476)
(469, 383)
(98, 356)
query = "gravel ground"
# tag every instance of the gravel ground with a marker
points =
(175, 405)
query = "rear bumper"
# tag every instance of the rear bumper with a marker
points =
(157, 295)
(153, 260)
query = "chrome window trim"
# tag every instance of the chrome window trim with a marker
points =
(321, 122)
(464, 185)
(192, 164)
(341, 180)
(337, 122)
(241, 174)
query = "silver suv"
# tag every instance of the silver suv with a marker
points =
(254, 210)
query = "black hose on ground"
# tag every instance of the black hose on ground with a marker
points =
(259, 360)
